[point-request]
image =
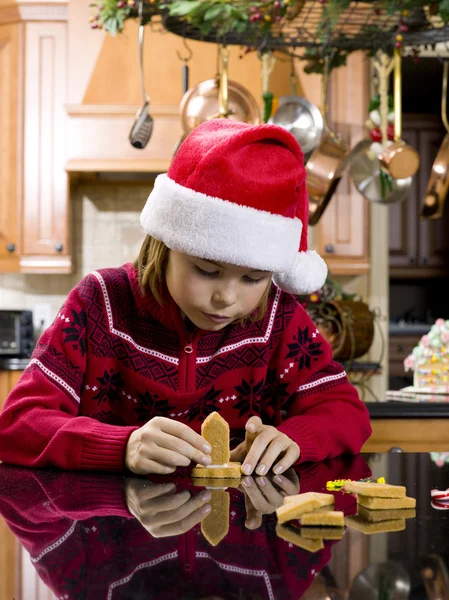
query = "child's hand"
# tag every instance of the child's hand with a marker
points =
(161, 510)
(263, 497)
(162, 445)
(268, 445)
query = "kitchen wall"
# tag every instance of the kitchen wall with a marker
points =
(105, 232)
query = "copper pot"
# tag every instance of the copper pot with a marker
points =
(218, 97)
(327, 163)
(398, 159)
(438, 185)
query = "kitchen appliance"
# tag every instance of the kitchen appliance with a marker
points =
(16, 333)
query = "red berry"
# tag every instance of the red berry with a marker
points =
(94, 25)
(403, 28)
(120, 4)
(398, 45)
(390, 131)
(277, 4)
(375, 135)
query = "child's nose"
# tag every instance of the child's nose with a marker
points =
(225, 295)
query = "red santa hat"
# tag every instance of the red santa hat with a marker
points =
(236, 193)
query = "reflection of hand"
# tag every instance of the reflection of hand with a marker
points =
(263, 497)
(270, 446)
(161, 510)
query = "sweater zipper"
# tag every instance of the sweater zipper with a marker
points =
(187, 365)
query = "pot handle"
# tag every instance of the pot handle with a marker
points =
(325, 95)
(444, 95)
(223, 98)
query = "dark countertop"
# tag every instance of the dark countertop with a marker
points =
(410, 329)
(408, 410)
(84, 543)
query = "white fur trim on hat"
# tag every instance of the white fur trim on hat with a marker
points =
(307, 274)
(217, 229)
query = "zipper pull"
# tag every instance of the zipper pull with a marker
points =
(188, 349)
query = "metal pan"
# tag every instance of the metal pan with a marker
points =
(365, 166)
(365, 172)
(438, 185)
(301, 118)
(399, 159)
(205, 101)
(327, 163)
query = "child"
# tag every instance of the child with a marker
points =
(139, 355)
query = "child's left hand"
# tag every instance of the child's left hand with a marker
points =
(268, 445)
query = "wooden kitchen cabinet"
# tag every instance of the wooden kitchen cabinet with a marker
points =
(342, 233)
(34, 231)
(9, 146)
(8, 380)
(419, 248)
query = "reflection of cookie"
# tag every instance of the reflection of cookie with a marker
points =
(216, 525)
(330, 518)
(303, 503)
(215, 483)
(322, 533)
(383, 503)
(379, 490)
(374, 516)
(216, 431)
(294, 537)
(381, 527)
(232, 471)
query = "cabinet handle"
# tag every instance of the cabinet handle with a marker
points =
(11, 247)
(329, 248)
(411, 260)
(59, 247)
(425, 260)
(400, 348)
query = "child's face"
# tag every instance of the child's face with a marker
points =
(206, 290)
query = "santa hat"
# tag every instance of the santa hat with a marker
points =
(236, 193)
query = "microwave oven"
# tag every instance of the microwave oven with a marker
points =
(16, 333)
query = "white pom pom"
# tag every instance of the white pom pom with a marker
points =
(307, 274)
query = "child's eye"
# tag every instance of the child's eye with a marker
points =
(251, 280)
(206, 273)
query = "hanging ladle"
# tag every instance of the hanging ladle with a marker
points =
(143, 125)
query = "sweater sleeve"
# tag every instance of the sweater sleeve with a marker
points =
(40, 424)
(325, 415)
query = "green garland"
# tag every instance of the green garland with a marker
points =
(246, 16)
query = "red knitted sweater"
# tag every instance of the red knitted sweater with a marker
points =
(113, 359)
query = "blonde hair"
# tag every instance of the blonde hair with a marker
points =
(151, 265)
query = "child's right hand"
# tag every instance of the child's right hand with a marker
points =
(162, 445)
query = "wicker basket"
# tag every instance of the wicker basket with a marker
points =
(349, 328)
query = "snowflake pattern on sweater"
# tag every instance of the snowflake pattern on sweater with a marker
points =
(113, 359)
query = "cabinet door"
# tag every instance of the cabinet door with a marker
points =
(9, 140)
(403, 217)
(45, 202)
(342, 233)
(433, 235)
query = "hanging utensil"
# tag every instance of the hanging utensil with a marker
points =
(202, 103)
(268, 62)
(327, 163)
(223, 96)
(185, 85)
(365, 168)
(300, 117)
(398, 159)
(438, 185)
(143, 125)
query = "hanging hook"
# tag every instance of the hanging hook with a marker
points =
(189, 52)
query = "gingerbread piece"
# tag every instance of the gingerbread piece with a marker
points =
(378, 490)
(303, 503)
(385, 503)
(216, 431)
(322, 533)
(374, 516)
(330, 518)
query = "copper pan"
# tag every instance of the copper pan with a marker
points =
(205, 101)
(398, 159)
(438, 186)
(327, 163)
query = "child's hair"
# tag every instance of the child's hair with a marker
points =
(152, 263)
